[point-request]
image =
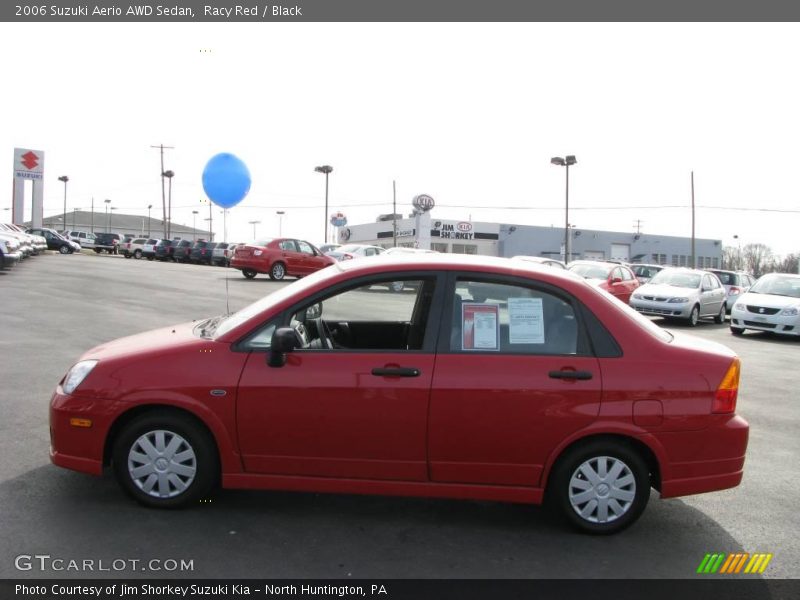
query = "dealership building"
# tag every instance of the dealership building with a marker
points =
(501, 239)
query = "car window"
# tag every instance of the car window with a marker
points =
(510, 319)
(288, 245)
(305, 247)
(590, 271)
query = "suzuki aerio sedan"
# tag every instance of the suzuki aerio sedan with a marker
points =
(549, 389)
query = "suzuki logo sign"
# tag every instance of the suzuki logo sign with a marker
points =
(28, 164)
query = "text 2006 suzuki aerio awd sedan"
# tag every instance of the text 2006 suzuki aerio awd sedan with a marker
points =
(545, 388)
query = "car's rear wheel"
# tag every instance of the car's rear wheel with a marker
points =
(249, 273)
(97, 250)
(278, 271)
(165, 460)
(720, 318)
(694, 316)
(151, 258)
(601, 486)
(64, 249)
(126, 255)
(737, 330)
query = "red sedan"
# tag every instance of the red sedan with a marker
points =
(617, 280)
(278, 258)
(547, 387)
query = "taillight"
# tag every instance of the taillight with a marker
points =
(734, 291)
(728, 390)
(203, 251)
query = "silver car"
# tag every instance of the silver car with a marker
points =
(772, 304)
(679, 293)
(735, 283)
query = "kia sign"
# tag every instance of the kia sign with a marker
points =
(338, 219)
(28, 164)
(423, 203)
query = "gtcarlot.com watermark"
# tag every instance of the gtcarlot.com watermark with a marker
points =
(48, 563)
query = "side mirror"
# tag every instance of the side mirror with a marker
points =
(314, 311)
(616, 280)
(284, 340)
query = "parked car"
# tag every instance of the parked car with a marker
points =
(38, 243)
(278, 258)
(556, 391)
(221, 256)
(133, 248)
(149, 249)
(165, 249)
(55, 241)
(645, 272)
(107, 242)
(325, 248)
(404, 250)
(735, 284)
(25, 240)
(616, 279)
(542, 260)
(354, 251)
(182, 251)
(680, 293)
(202, 252)
(10, 254)
(771, 304)
(85, 238)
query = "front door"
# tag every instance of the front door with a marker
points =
(353, 401)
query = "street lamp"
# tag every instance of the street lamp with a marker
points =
(567, 161)
(254, 223)
(168, 222)
(107, 201)
(280, 214)
(112, 209)
(65, 179)
(194, 225)
(327, 170)
(739, 254)
(210, 225)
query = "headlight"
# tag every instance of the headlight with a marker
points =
(77, 374)
(738, 306)
(678, 300)
(637, 297)
(791, 311)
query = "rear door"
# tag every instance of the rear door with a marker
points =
(292, 258)
(514, 377)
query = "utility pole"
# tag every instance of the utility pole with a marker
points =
(694, 262)
(92, 214)
(394, 213)
(638, 225)
(163, 191)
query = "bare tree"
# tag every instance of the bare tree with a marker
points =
(731, 258)
(757, 258)
(787, 264)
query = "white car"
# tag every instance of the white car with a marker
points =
(771, 304)
(679, 293)
(354, 251)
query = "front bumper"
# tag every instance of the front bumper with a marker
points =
(78, 448)
(11, 259)
(677, 310)
(780, 324)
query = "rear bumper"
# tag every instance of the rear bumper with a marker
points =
(259, 266)
(714, 461)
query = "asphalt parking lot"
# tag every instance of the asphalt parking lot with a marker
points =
(56, 307)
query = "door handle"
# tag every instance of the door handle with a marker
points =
(395, 372)
(570, 375)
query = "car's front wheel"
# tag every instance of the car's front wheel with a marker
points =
(278, 271)
(694, 316)
(601, 486)
(720, 318)
(64, 249)
(137, 254)
(737, 330)
(165, 460)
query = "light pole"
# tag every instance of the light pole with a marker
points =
(74, 210)
(65, 179)
(738, 254)
(112, 209)
(108, 223)
(280, 214)
(168, 224)
(327, 170)
(567, 161)
(254, 223)
(194, 225)
(149, 206)
(210, 222)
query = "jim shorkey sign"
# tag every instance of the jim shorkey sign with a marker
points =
(28, 164)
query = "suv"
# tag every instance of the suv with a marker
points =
(735, 283)
(222, 254)
(201, 252)
(107, 241)
(134, 248)
(182, 251)
(84, 238)
(149, 249)
(165, 249)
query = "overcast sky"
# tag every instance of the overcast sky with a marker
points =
(468, 113)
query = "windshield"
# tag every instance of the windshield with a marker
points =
(349, 248)
(233, 321)
(778, 285)
(591, 271)
(677, 279)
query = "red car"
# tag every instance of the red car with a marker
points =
(278, 258)
(617, 280)
(550, 389)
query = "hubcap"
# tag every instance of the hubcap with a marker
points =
(278, 271)
(602, 489)
(162, 464)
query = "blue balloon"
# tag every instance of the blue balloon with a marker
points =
(226, 180)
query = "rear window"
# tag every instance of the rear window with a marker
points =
(222, 245)
(139, 241)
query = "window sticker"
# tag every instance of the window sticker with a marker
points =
(526, 321)
(480, 326)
